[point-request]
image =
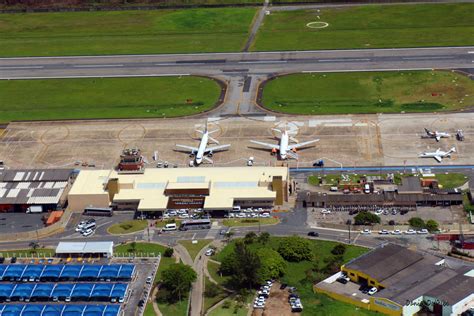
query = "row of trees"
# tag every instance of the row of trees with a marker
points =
(419, 223)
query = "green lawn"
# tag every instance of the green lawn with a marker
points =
(313, 180)
(125, 32)
(213, 269)
(149, 311)
(369, 26)
(162, 223)
(369, 92)
(141, 249)
(53, 99)
(314, 304)
(250, 221)
(193, 249)
(127, 227)
(233, 310)
(177, 309)
(451, 180)
(212, 300)
(30, 253)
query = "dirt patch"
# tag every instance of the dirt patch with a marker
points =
(276, 303)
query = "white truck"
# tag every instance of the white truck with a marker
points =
(34, 209)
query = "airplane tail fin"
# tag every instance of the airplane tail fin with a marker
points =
(452, 150)
(427, 131)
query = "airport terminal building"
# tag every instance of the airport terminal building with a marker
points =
(155, 190)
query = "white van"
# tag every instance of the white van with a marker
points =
(89, 226)
(169, 227)
(367, 188)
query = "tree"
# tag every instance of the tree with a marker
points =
(264, 237)
(416, 222)
(133, 247)
(366, 218)
(295, 249)
(432, 225)
(333, 264)
(338, 249)
(246, 267)
(272, 265)
(178, 279)
(34, 245)
(168, 252)
(250, 238)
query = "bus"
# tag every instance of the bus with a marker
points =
(98, 211)
(195, 224)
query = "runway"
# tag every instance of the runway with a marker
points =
(237, 64)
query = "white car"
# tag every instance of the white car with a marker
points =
(383, 232)
(149, 279)
(366, 231)
(379, 212)
(422, 231)
(209, 252)
(325, 211)
(396, 232)
(372, 291)
(265, 215)
(87, 232)
(183, 215)
(410, 232)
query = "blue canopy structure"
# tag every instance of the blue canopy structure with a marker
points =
(58, 310)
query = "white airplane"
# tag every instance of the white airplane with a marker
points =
(203, 152)
(284, 148)
(438, 154)
(436, 135)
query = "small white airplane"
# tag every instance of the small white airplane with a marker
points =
(435, 134)
(203, 152)
(284, 148)
(438, 154)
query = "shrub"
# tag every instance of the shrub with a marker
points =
(168, 252)
(366, 218)
(295, 249)
(339, 249)
(416, 222)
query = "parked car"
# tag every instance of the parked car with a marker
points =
(422, 231)
(383, 232)
(410, 232)
(379, 212)
(372, 291)
(149, 279)
(366, 231)
(396, 232)
(325, 211)
(313, 234)
(13, 260)
(283, 286)
(141, 303)
(87, 232)
(209, 252)
(341, 280)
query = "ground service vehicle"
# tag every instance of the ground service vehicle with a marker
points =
(195, 224)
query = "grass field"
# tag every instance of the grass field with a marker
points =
(250, 221)
(233, 310)
(451, 180)
(193, 249)
(212, 300)
(53, 99)
(127, 227)
(125, 32)
(29, 253)
(177, 309)
(141, 249)
(369, 92)
(213, 269)
(369, 26)
(314, 304)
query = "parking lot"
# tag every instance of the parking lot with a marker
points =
(20, 222)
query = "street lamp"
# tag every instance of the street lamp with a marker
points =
(349, 223)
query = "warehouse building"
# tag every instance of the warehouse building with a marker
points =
(155, 190)
(406, 281)
(44, 188)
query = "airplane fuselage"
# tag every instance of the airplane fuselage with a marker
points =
(284, 140)
(202, 148)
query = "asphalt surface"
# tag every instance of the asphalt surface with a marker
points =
(234, 64)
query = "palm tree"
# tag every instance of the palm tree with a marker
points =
(34, 245)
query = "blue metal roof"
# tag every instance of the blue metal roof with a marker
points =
(61, 272)
(58, 310)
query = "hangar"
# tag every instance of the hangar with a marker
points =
(406, 280)
(180, 188)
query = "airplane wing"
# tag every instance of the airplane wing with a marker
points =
(438, 158)
(271, 146)
(303, 144)
(192, 149)
(292, 155)
(217, 148)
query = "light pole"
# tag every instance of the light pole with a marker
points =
(349, 223)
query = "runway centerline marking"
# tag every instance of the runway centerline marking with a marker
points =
(22, 67)
(97, 66)
(263, 62)
(423, 58)
(344, 59)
